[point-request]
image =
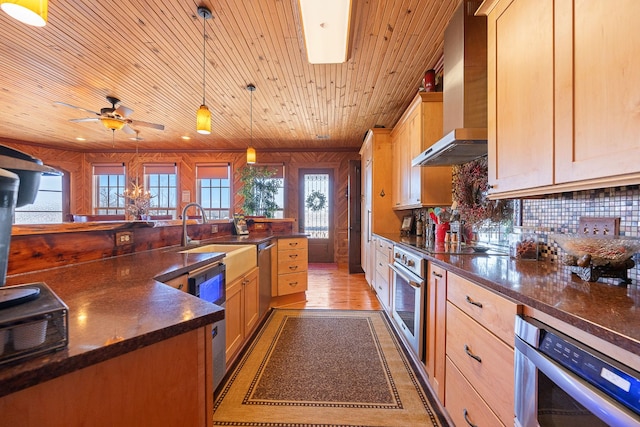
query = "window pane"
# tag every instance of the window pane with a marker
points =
(214, 194)
(47, 206)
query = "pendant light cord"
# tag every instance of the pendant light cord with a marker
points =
(251, 119)
(204, 55)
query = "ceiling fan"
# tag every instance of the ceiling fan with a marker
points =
(114, 117)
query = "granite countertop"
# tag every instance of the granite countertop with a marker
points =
(116, 305)
(609, 312)
(119, 304)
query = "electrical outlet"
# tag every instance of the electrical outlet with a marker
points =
(214, 228)
(124, 238)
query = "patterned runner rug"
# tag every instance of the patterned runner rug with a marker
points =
(310, 368)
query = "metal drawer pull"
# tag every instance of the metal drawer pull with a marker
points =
(293, 283)
(293, 256)
(293, 244)
(293, 267)
(470, 301)
(466, 418)
(473, 356)
(438, 275)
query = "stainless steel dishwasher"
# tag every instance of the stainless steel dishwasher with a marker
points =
(264, 279)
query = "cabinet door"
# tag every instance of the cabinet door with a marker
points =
(251, 300)
(435, 330)
(233, 318)
(520, 95)
(597, 128)
(415, 147)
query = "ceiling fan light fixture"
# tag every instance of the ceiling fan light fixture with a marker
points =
(112, 124)
(325, 26)
(203, 119)
(30, 12)
(203, 116)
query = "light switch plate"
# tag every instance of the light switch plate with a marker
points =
(600, 226)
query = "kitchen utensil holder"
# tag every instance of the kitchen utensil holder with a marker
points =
(34, 327)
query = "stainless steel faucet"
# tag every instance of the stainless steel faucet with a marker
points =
(185, 237)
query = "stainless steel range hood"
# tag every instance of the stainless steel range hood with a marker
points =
(464, 91)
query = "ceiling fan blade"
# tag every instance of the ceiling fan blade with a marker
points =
(147, 124)
(77, 108)
(123, 111)
(127, 129)
(86, 119)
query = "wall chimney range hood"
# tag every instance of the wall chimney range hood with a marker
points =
(464, 91)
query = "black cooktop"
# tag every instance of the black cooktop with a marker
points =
(456, 249)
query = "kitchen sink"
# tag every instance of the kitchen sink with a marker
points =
(238, 259)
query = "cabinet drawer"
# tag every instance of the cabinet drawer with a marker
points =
(464, 405)
(292, 283)
(293, 243)
(292, 261)
(382, 267)
(180, 282)
(494, 312)
(484, 360)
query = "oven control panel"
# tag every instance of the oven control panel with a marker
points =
(621, 383)
(410, 260)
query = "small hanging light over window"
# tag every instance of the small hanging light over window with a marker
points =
(203, 117)
(251, 152)
(30, 12)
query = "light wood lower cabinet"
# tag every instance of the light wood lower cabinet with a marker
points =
(464, 404)
(435, 331)
(168, 383)
(479, 344)
(180, 282)
(241, 311)
(293, 261)
(382, 282)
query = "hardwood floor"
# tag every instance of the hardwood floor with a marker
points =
(332, 287)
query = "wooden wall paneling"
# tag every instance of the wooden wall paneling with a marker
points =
(82, 183)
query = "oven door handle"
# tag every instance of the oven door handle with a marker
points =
(414, 281)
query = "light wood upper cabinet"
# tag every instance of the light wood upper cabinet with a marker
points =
(377, 214)
(563, 98)
(419, 127)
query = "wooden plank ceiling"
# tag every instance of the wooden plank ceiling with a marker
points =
(149, 54)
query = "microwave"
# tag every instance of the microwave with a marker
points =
(208, 283)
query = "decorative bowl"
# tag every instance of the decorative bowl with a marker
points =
(598, 250)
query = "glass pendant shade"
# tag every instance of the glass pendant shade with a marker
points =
(112, 124)
(203, 119)
(251, 155)
(30, 12)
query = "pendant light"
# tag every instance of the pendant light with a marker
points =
(203, 117)
(30, 12)
(251, 152)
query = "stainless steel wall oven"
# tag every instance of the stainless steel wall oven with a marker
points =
(407, 307)
(562, 382)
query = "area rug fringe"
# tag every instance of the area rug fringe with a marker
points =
(325, 368)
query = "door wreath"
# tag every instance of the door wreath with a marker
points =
(316, 201)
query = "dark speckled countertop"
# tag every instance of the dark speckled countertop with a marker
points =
(114, 299)
(609, 312)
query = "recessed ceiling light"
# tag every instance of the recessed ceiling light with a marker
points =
(185, 137)
(79, 138)
(323, 136)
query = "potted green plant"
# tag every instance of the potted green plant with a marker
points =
(259, 189)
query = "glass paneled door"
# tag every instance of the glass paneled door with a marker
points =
(316, 212)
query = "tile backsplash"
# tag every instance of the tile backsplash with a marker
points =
(560, 213)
